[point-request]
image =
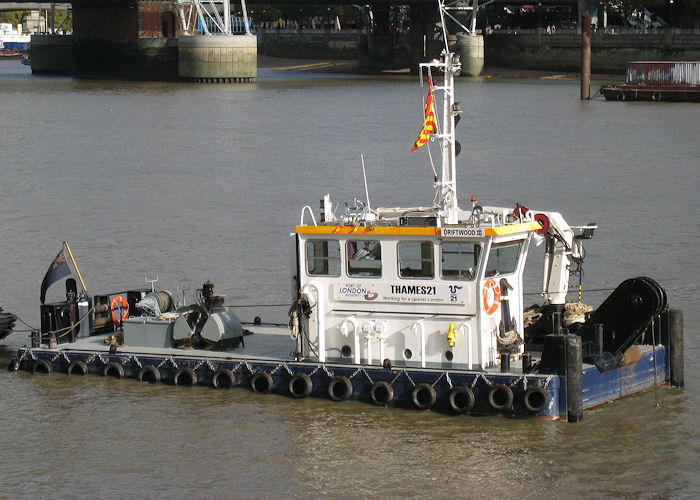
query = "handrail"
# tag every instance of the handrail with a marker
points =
(382, 329)
(343, 327)
(311, 213)
(368, 329)
(419, 325)
(468, 335)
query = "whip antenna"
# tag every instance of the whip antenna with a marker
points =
(75, 265)
(364, 175)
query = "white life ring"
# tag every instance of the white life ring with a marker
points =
(491, 296)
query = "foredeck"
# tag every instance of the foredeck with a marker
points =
(274, 343)
(267, 342)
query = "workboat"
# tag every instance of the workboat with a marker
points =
(419, 307)
(12, 42)
(7, 323)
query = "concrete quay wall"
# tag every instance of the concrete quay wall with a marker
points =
(157, 58)
(610, 52)
(534, 50)
(310, 44)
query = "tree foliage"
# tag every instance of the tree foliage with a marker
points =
(15, 18)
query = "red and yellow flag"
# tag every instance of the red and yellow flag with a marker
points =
(429, 126)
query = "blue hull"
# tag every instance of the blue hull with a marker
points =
(597, 388)
(21, 46)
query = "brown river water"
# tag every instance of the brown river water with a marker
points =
(191, 182)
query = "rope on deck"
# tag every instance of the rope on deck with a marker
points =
(60, 354)
(282, 365)
(476, 379)
(515, 382)
(322, 367)
(446, 375)
(166, 360)
(361, 370)
(403, 372)
(26, 353)
(205, 362)
(135, 360)
(95, 356)
(242, 364)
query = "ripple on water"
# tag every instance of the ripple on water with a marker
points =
(197, 182)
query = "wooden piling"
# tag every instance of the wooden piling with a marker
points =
(586, 56)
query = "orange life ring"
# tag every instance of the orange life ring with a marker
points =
(116, 304)
(492, 296)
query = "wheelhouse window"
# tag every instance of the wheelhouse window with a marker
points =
(503, 258)
(364, 258)
(460, 260)
(323, 257)
(416, 259)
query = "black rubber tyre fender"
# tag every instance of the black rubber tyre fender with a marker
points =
(223, 379)
(149, 374)
(423, 396)
(381, 393)
(14, 365)
(535, 399)
(185, 376)
(41, 366)
(461, 399)
(500, 397)
(113, 369)
(300, 385)
(261, 382)
(77, 368)
(340, 388)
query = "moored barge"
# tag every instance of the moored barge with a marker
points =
(657, 81)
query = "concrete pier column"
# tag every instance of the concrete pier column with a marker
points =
(51, 54)
(471, 54)
(218, 58)
(377, 48)
(381, 40)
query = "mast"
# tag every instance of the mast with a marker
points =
(446, 186)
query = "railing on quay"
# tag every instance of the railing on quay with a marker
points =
(610, 30)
